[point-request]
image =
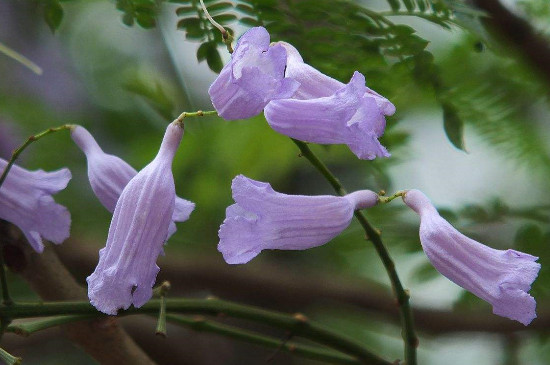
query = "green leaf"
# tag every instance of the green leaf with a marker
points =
(248, 10)
(185, 10)
(53, 14)
(146, 21)
(394, 4)
(251, 22)
(219, 7)
(409, 4)
(529, 236)
(225, 18)
(213, 58)
(454, 126)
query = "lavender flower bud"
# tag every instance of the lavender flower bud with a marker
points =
(265, 219)
(26, 201)
(500, 277)
(253, 78)
(127, 266)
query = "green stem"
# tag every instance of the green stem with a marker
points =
(199, 113)
(28, 328)
(6, 299)
(8, 358)
(29, 140)
(298, 324)
(199, 323)
(402, 295)
(20, 58)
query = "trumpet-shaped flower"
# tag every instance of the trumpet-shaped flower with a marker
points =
(127, 266)
(109, 175)
(324, 110)
(254, 77)
(500, 277)
(265, 219)
(26, 201)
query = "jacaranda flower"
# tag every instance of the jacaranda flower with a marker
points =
(127, 266)
(26, 201)
(265, 219)
(324, 110)
(254, 77)
(109, 175)
(502, 278)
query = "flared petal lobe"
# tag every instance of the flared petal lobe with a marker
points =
(265, 219)
(26, 201)
(501, 277)
(109, 175)
(127, 266)
(254, 76)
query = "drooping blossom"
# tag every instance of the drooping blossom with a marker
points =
(127, 266)
(109, 175)
(500, 277)
(254, 77)
(265, 219)
(26, 201)
(324, 110)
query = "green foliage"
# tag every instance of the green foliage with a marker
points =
(197, 27)
(142, 12)
(53, 14)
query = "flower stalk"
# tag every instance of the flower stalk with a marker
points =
(409, 336)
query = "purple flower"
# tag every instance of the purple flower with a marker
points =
(127, 266)
(502, 278)
(324, 110)
(26, 201)
(109, 174)
(254, 77)
(265, 219)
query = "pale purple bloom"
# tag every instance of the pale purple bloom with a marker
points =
(324, 110)
(108, 175)
(127, 266)
(265, 219)
(500, 277)
(26, 201)
(254, 77)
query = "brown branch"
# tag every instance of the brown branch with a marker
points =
(103, 339)
(292, 290)
(533, 47)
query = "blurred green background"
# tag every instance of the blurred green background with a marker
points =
(471, 130)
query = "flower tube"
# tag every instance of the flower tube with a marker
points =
(127, 266)
(500, 277)
(265, 219)
(26, 201)
(109, 175)
(324, 110)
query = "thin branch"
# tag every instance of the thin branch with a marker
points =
(408, 333)
(199, 323)
(299, 324)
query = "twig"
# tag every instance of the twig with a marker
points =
(29, 140)
(28, 328)
(408, 333)
(199, 323)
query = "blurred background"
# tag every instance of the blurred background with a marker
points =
(470, 80)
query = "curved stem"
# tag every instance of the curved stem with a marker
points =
(298, 324)
(29, 140)
(402, 295)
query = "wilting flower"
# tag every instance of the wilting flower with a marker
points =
(26, 201)
(254, 77)
(324, 110)
(265, 219)
(500, 277)
(109, 175)
(127, 266)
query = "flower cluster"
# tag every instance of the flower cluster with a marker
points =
(299, 101)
